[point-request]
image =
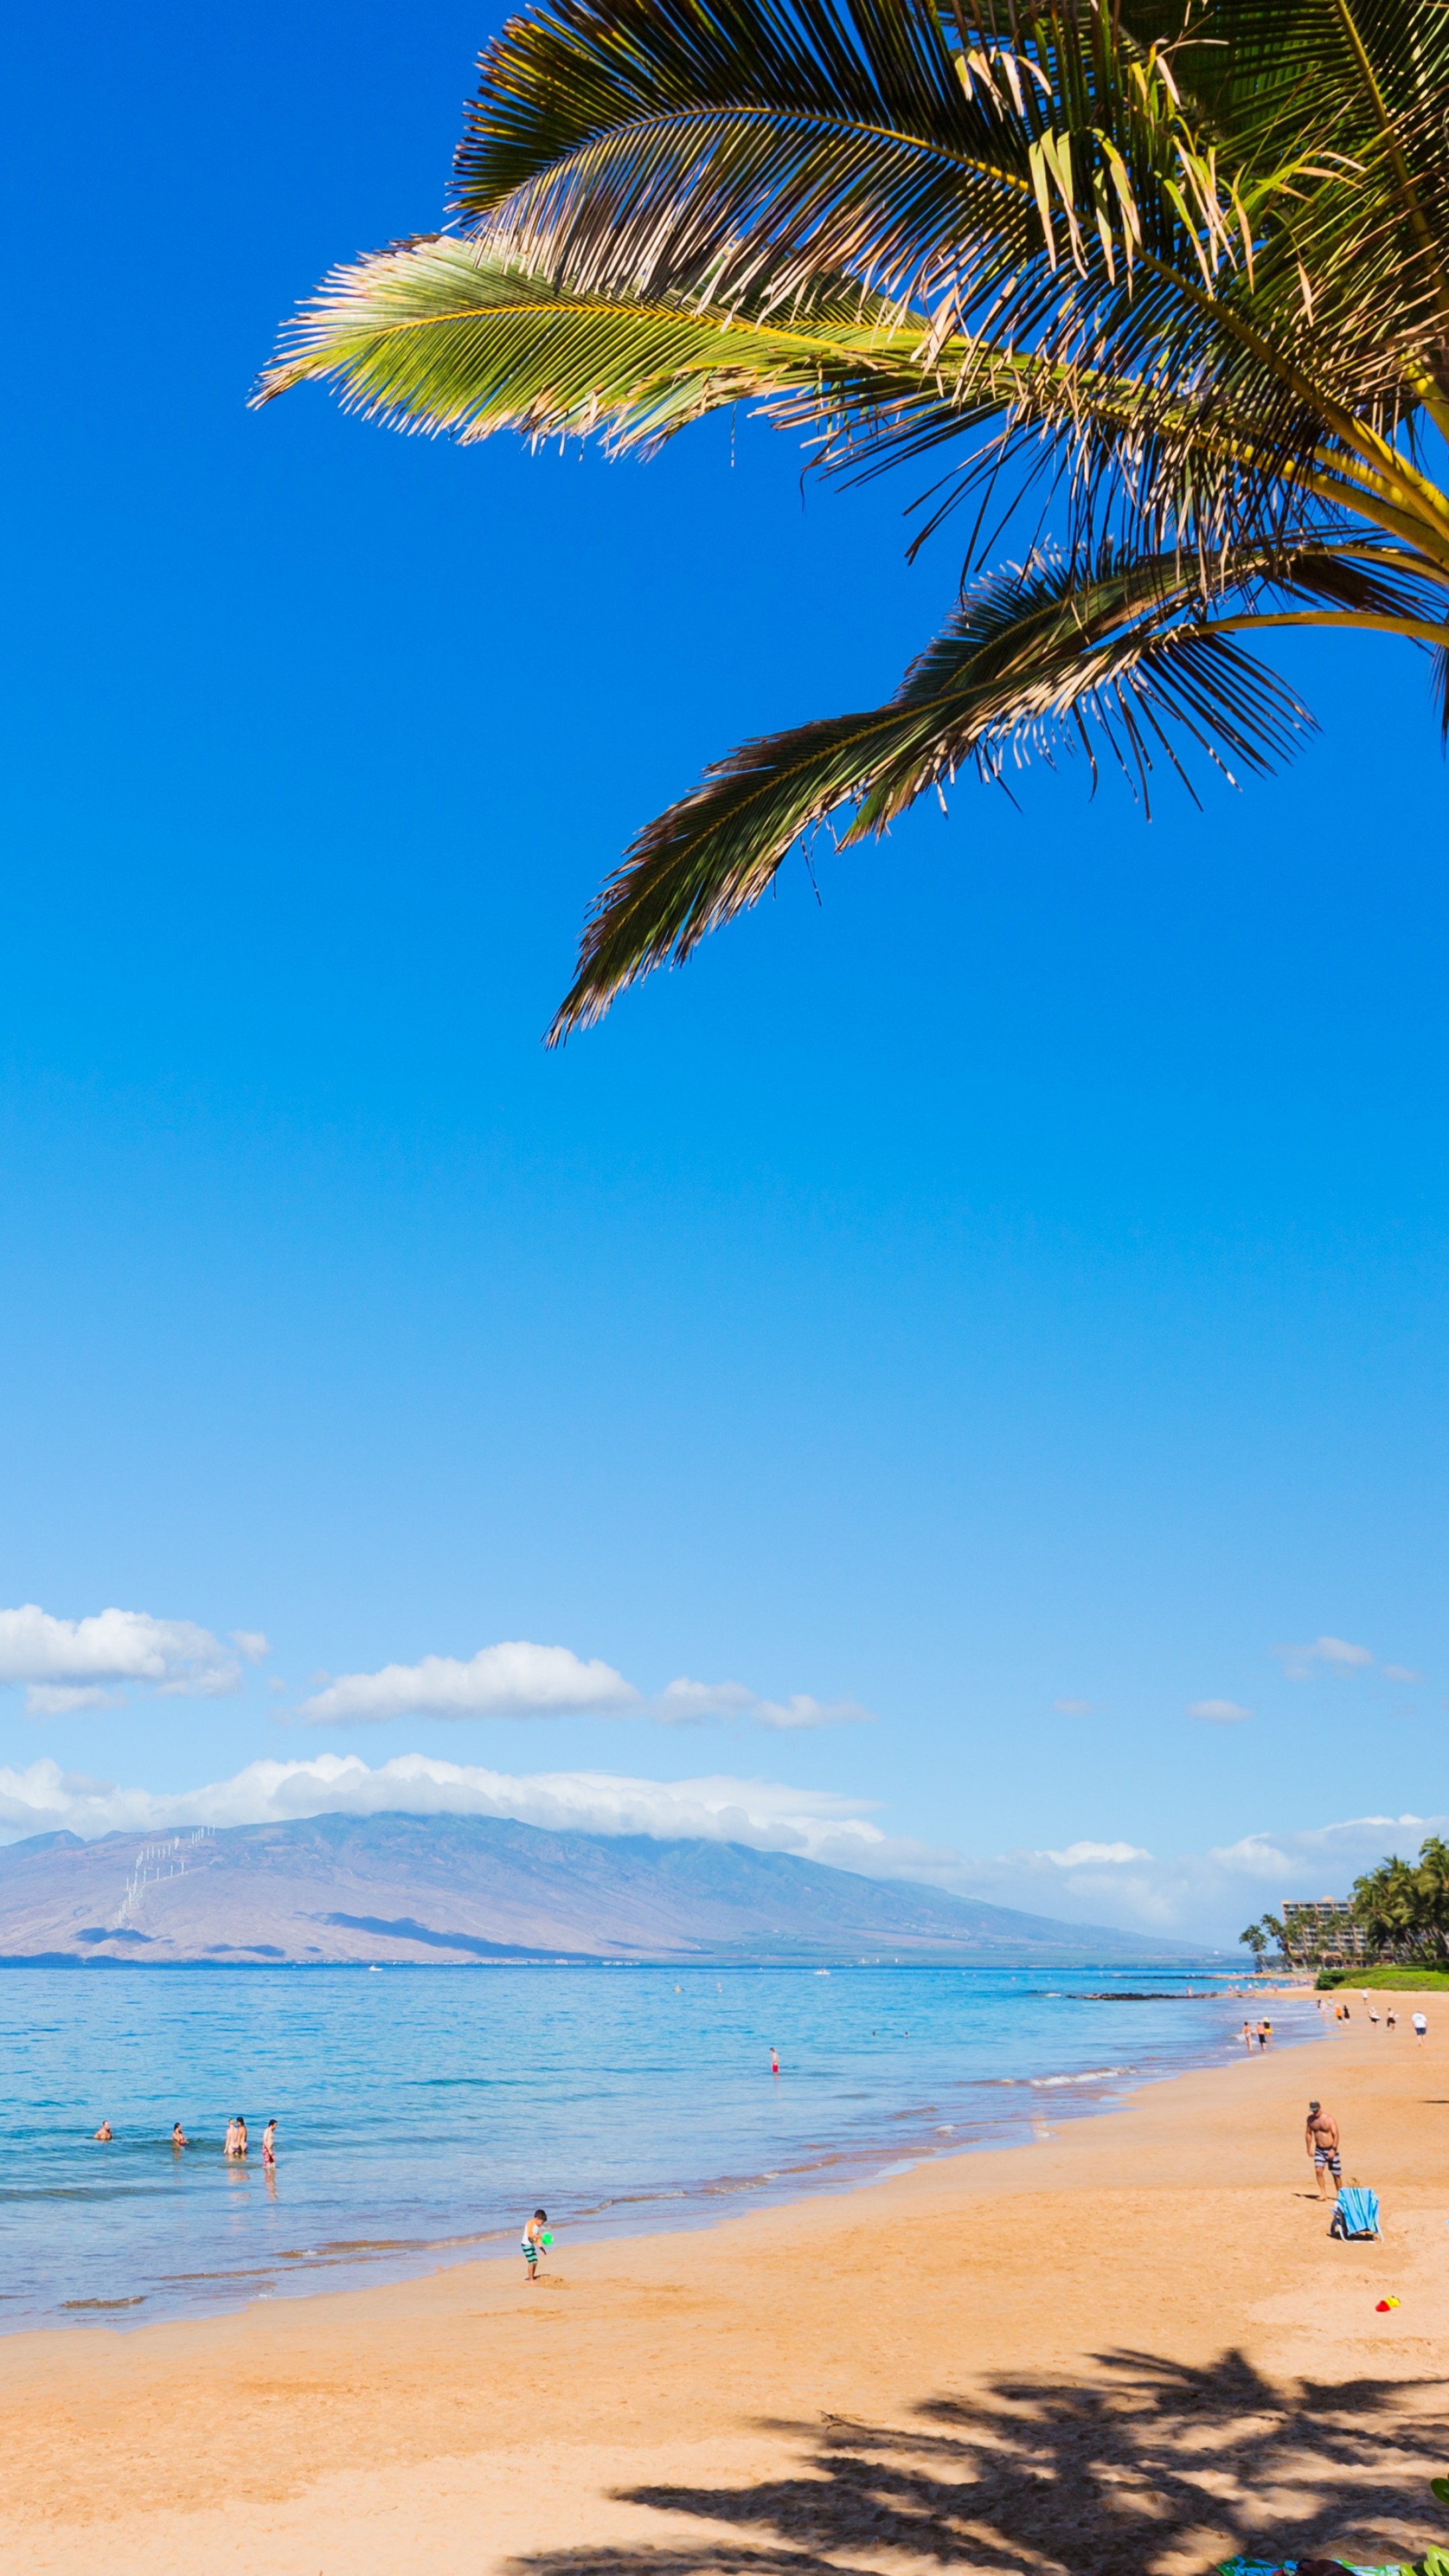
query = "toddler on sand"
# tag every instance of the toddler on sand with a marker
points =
(533, 2246)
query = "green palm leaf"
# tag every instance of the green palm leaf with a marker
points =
(1176, 277)
(1116, 660)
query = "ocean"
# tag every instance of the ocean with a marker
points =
(423, 2113)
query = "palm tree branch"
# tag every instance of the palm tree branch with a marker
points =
(518, 231)
(1035, 662)
(1418, 630)
(1403, 177)
(441, 334)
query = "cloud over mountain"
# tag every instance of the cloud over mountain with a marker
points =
(1193, 1895)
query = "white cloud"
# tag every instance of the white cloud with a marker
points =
(522, 1680)
(1333, 1651)
(59, 1699)
(1072, 1707)
(514, 1680)
(1077, 1855)
(818, 1824)
(1194, 1896)
(250, 1644)
(1219, 1712)
(1399, 1673)
(687, 1703)
(67, 1664)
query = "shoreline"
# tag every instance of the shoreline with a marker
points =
(1130, 2347)
(990, 2114)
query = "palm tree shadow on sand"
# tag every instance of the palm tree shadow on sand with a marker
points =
(1153, 2469)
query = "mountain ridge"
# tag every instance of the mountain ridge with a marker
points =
(340, 1889)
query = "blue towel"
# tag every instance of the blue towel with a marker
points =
(1357, 2213)
(1286, 2566)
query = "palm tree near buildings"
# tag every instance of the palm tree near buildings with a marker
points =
(1404, 1907)
(1258, 1937)
(1154, 294)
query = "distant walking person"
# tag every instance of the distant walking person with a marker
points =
(1248, 2037)
(1421, 2026)
(1262, 2034)
(1391, 2019)
(533, 2247)
(1321, 2139)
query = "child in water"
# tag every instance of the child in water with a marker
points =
(533, 2245)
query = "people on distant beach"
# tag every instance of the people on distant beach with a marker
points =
(179, 2137)
(533, 2247)
(1374, 2015)
(1248, 2037)
(1262, 2034)
(104, 2134)
(236, 2137)
(1421, 2026)
(269, 2143)
(1391, 2019)
(1322, 2141)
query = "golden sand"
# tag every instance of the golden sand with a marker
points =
(1130, 2346)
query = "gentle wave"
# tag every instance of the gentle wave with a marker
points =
(424, 2112)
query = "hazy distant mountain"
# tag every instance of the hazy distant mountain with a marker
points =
(460, 1888)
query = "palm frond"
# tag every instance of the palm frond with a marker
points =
(1114, 659)
(1171, 275)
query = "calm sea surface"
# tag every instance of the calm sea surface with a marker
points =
(423, 2112)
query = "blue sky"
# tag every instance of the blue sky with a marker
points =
(1015, 1279)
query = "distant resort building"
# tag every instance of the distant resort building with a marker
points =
(1322, 1932)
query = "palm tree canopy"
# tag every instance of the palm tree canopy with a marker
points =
(1165, 282)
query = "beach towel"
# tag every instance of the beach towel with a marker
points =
(1431, 2564)
(1287, 2567)
(1357, 2212)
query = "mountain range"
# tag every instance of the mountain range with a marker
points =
(453, 1889)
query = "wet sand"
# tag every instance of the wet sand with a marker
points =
(1130, 2346)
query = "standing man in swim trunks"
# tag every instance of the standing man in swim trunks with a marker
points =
(1321, 2139)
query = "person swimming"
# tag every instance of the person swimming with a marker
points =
(179, 2137)
(104, 2133)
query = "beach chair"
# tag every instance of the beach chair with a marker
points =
(1356, 2213)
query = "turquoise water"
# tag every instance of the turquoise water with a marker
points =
(424, 2112)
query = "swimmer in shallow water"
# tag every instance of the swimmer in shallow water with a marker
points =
(104, 2133)
(269, 2143)
(179, 2137)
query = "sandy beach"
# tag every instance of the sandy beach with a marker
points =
(1131, 2345)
